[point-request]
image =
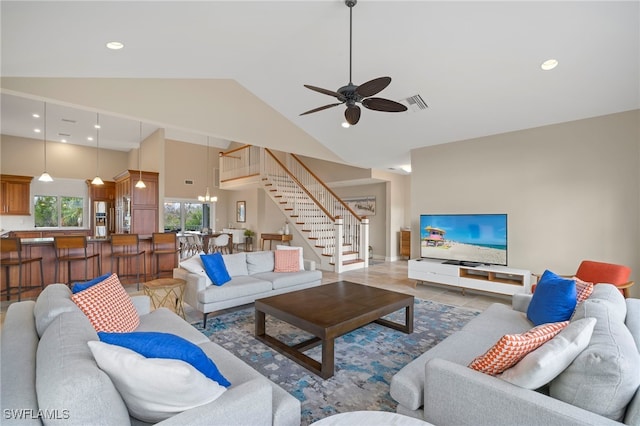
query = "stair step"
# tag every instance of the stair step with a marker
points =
(349, 262)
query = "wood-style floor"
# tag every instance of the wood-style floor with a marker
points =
(388, 275)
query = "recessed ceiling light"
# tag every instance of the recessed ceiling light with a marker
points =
(97, 126)
(63, 140)
(90, 138)
(35, 115)
(549, 64)
(345, 125)
(36, 130)
(115, 45)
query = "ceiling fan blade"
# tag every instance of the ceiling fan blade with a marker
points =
(352, 114)
(320, 108)
(372, 87)
(380, 104)
(323, 91)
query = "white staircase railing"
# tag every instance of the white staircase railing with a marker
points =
(313, 208)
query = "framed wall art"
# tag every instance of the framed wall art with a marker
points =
(241, 211)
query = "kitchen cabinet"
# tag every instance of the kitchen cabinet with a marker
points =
(136, 208)
(16, 195)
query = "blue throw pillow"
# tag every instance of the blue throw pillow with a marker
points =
(215, 268)
(151, 344)
(78, 287)
(553, 301)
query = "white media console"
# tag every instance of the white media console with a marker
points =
(492, 278)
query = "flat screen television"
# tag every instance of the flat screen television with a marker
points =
(465, 239)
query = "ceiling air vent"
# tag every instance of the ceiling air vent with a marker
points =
(66, 135)
(415, 103)
(68, 120)
(188, 182)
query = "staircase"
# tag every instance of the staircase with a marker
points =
(339, 237)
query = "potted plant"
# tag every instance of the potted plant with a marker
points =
(248, 237)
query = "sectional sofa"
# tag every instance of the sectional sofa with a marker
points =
(599, 387)
(49, 374)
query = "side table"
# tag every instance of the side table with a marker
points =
(285, 238)
(166, 292)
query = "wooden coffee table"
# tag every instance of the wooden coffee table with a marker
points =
(329, 311)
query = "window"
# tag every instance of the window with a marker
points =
(58, 211)
(185, 216)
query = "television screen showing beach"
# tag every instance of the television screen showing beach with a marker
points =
(480, 238)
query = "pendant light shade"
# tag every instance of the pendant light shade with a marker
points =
(140, 184)
(207, 196)
(45, 177)
(96, 180)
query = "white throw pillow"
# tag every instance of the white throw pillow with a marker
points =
(544, 364)
(154, 389)
(193, 265)
(283, 247)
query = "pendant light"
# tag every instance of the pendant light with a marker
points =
(45, 177)
(207, 195)
(140, 184)
(96, 180)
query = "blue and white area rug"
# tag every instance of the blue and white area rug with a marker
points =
(365, 359)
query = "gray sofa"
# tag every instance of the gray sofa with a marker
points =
(252, 278)
(49, 375)
(439, 387)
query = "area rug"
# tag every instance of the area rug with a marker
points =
(365, 359)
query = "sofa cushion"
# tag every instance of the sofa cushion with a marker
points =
(298, 249)
(52, 301)
(541, 366)
(260, 261)
(167, 321)
(553, 301)
(280, 280)
(154, 389)
(152, 344)
(633, 319)
(286, 261)
(236, 264)
(237, 287)
(67, 377)
(215, 268)
(605, 376)
(108, 306)
(511, 348)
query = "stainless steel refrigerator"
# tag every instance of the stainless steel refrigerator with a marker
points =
(104, 219)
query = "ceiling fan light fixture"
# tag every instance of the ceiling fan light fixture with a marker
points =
(352, 94)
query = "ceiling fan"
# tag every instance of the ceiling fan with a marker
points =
(351, 95)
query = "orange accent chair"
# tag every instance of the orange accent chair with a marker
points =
(601, 272)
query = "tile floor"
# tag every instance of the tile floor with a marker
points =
(388, 275)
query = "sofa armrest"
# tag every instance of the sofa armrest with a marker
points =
(142, 304)
(249, 403)
(455, 394)
(309, 265)
(195, 283)
(520, 302)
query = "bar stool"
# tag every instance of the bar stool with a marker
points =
(127, 246)
(163, 243)
(73, 248)
(13, 245)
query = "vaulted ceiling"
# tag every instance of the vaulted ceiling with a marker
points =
(235, 70)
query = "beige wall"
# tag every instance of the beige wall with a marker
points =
(571, 190)
(23, 156)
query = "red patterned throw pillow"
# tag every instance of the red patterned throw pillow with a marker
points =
(511, 348)
(583, 289)
(287, 261)
(108, 306)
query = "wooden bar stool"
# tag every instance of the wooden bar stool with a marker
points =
(11, 250)
(163, 243)
(127, 246)
(73, 248)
